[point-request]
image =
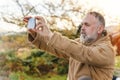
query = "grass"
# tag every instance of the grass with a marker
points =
(117, 62)
(23, 76)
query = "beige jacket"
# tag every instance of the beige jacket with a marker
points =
(95, 60)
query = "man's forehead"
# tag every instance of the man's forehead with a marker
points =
(89, 19)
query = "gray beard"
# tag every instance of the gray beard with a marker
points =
(82, 38)
(87, 39)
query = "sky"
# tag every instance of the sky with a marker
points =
(111, 8)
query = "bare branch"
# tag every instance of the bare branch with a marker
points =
(18, 3)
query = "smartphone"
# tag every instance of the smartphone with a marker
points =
(31, 23)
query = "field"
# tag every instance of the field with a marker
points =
(23, 61)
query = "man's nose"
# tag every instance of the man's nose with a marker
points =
(83, 26)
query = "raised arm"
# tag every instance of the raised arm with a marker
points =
(100, 54)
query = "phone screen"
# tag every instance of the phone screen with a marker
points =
(31, 23)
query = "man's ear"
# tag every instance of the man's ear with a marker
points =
(100, 29)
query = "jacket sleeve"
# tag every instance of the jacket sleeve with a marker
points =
(101, 54)
(38, 41)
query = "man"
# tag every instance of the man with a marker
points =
(91, 57)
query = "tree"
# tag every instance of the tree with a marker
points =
(61, 13)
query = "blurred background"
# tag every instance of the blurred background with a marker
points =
(20, 60)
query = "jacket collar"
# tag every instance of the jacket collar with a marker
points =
(99, 40)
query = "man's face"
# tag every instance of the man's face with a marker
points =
(89, 30)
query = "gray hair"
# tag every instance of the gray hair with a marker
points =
(99, 17)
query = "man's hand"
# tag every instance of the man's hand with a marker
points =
(42, 29)
(30, 31)
(26, 18)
